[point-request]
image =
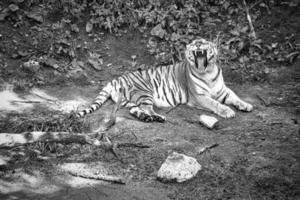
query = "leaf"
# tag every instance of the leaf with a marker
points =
(35, 16)
(13, 7)
(175, 37)
(4, 14)
(243, 59)
(244, 29)
(50, 62)
(225, 5)
(88, 27)
(75, 28)
(96, 64)
(292, 56)
(235, 32)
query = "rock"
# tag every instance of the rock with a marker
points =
(88, 27)
(158, 31)
(95, 61)
(32, 65)
(208, 121)
(178, 167)
(50, 62)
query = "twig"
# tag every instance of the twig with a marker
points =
(264, 101)
(202, 150)
(14, 139)
(137, 145)
(255, 4)
(112, 179)
(253, 34)
(47, 99)
(26, 101)
(171, 109)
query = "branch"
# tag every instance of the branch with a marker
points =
(108, 178)
(253, 34)
(13, 139)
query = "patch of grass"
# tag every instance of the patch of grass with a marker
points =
(42, 121)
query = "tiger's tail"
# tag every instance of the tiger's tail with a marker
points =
(104, 94)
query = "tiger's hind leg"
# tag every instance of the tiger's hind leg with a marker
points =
(232, 99)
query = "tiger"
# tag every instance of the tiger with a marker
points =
(197, 82)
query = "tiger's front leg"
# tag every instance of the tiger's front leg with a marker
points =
(232, 99)
(208, 103)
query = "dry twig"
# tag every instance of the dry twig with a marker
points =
(108, 178)
(253, 34)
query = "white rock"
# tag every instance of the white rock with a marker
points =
(178, 167)
(208, 121)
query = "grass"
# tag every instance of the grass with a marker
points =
(42, 121)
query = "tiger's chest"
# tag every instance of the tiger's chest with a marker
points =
(208, 84)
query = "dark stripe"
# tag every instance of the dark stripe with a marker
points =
(224, 99)
(156, 88)
(141, 97)
(165, 94)
(149, 79)
(218, 73)
(125, 104)
(145, 103)
(128, 82)
(196, 76)
(174, 79)
(173, 96)
(158, 78)
(114, 83)
(120, 82)
(180, 96)
(124, 79)
(141, 83)
(220, 92)
(201, 87)
(134, 106)
(103, 91)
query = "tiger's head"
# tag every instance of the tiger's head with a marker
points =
(200, 53)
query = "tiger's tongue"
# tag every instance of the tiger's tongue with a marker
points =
(199, 62)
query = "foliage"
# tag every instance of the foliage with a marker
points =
(173, 23)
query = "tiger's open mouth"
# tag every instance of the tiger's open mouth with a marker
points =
(200, 58)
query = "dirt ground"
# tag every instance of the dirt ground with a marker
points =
(257, 156)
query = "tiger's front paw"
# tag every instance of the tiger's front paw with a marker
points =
(226, 112)
(243, 106)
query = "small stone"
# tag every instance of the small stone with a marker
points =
(208, 121)
(158, 31)
(178, 167)
(13, 7)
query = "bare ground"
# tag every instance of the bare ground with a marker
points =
(257, 156)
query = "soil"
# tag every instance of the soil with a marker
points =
(257, 156)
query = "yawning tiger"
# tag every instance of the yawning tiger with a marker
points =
(197, 82)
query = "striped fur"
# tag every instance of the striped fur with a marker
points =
(197, 82)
